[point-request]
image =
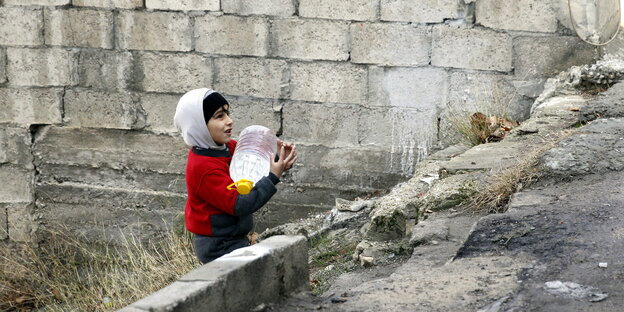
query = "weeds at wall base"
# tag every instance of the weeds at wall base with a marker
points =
(495, 195)
(330, 257)
(69, 273)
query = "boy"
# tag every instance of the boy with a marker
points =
(219, 218)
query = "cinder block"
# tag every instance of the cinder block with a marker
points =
(328, 82)
(327, 124)
(183, 5)
(104, 69)
(3, 62)
(368, 165)
(471, 49)
(247, 111)
(79, 28)
(41, 67)
(159, 110)
(183, 296)
(310, 39)
(423, 11)
(524, 15)
(242, 293)
(20, 190)
(389, 44)
(15, 147)
(259, 7)
(166, 31)
(30, 106)
(251, 76)
(307, 192)
(543, 57)
(90, 108)
(486, 93)
(234, 35)
(359, 10)
(119, 211)
(110, 148)
(174, 73)
(407, 133)
(20, 221)
(408, 87)
(21, 26)
(37, 2)
(291, 254)
(318, 186)
(105, 176)
(122, 4)
(276, 213)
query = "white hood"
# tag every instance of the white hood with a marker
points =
(189, 119)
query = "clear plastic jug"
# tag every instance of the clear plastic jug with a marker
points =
(252, 158)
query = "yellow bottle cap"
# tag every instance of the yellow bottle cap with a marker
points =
(243, 186)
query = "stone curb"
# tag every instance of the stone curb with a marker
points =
(279, 266)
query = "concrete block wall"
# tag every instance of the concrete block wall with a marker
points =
(89, 87)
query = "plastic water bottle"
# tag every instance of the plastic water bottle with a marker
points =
(252, 158)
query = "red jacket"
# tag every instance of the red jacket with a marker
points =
(211, 209)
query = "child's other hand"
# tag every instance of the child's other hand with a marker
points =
(288, 147)
(287, 157)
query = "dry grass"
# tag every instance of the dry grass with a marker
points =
(68, 273)
(489, 101)
(493, 198)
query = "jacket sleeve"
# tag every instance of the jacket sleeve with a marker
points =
(214, 191)
(259, 195)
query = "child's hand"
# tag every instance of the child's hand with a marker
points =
(287, 157)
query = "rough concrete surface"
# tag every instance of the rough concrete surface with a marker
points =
(557, 248)
(569, 229)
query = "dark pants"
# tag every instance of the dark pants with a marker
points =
(208, 248)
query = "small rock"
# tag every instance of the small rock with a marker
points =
(430, 178)
(527, 130)
(598, 297)
(346, 205)
(574, 290)
(603, 264)
(366, 261)
(338, 300)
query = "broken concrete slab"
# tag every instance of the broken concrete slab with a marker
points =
(605, 105)
(428, 231)
(387, 223)
(451, 191)
(278, 265)
(598, 147)
(368, 253)
(560, 106)
(491, 156)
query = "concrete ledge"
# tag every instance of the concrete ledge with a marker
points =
(238, 281)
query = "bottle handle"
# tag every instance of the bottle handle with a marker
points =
(242, 186)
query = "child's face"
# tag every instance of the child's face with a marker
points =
(220, 126)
